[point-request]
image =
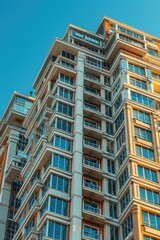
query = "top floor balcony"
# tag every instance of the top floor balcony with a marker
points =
(119, 41)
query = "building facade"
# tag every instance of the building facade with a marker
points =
(12, 161)
(93, 139)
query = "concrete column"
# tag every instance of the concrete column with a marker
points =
(128, 130)
(76, 191)
(6, 188)
(156, 141)
(136, 222)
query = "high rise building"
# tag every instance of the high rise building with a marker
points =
(93, 150)
(12, 161)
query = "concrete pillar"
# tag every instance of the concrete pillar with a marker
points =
(76, 191)
(128, 130)
(5, 187)
(136, 222)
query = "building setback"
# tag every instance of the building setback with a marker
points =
(91, 141)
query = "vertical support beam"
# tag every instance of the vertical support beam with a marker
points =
(76, 192)
(5, 187)
(136, 222)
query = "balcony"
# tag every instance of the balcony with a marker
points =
(91, 168)
(92, 95)
(90, 235)
(93, 214)
(92, 148)
(119, 42)
(92, 111)
(33, 234)
(14, 169)
(92, 190)
(92, 128)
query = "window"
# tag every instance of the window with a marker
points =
(60, 162)
(145, 152)
(91, 207)
(112, 209)
(66, 64)
(147, 174)
(63, 108)
(119, 120)
(151, 220)
(149, 238)
(136, 69)
(92, 162)
(59, 183)
(56, 231)
(138, 83)
(149, 196)
(133, 34)
(66, 79)
(29, 227)
(152, 52)
(62, 125)
(111, 187)
(91, 90)
(91, 184)
(108, 95)
(146, 101)
(110, 146)
(118, 103)
(111, 166)
(143, 134)
(121, 157)
(155, 75)
(91, 106)
(127, 226)
(141, 116)
(32, 200)
(65, 93)
(123, 178)
(116, 72)
(107, 81)
(91, 232)
(55, 205)
(90, 123)
(109, 111)
(91, 142)
(109, 128)
(116, 87)
(125, 200)
(120, 138)
(62, 143)
(67, 55)
(114, 233)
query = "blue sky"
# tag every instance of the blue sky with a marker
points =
(28, 28)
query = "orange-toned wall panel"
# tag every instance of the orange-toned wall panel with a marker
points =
(107, 26)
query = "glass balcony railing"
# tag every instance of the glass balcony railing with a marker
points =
(91, 235)
(92, 125)
(91, 209)
(91, 163)
(92, 144)
(91, 77)
(92, 185)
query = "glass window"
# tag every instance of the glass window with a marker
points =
(142, 99)
(145, 152)
(147, 174)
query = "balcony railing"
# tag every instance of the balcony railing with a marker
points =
(92, 186)
(91, 209)
(92, 144)
(91, 163)
(92, 125)
(91, 77)
(91, 235)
